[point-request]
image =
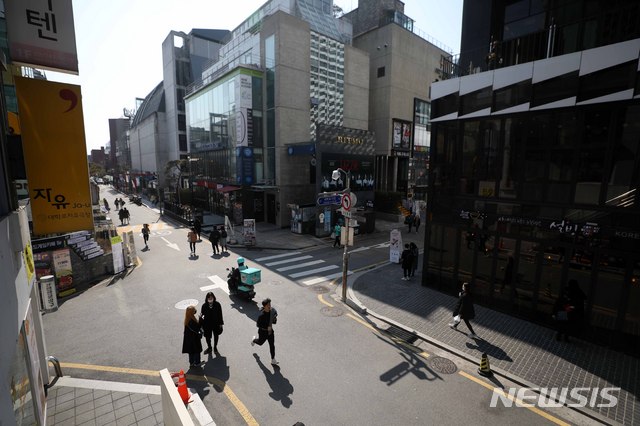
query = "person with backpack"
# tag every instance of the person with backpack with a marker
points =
(268, 316)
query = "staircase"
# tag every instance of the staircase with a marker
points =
(84, 245)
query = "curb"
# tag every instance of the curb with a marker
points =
(356, 304)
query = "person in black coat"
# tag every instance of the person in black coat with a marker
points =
(406, 260)
(214, 237)
(211, 321)
(415, 252)
(465, 309)
(191, 343)
(268, 316)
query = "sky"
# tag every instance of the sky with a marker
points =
(119, 45)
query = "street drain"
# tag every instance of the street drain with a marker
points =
(320, 289)
(402, 334)
(330, 311)
(442, 365)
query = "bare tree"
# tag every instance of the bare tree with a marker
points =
(173, 173)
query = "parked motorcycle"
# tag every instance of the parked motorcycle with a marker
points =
(241, 280)
(135, 199)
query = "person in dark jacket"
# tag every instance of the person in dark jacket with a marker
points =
(561, 314)
(406, 260)
(211, 321)
(465, 309)
(416, 255)
(197, 225)
(268, 316)
(191, 343)
(214, 237)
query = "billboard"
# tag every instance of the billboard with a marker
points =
(42, 34)
(401, 134)
(55, 156)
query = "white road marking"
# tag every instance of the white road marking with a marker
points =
(313, 271)
(217, 283)
(278, 256)
(325, 278)
(170, 244)
(280, 262)
(300, 265)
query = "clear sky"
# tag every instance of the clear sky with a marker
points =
(120, 45)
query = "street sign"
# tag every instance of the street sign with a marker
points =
(346, 202)
(327, 200)
(346, 213)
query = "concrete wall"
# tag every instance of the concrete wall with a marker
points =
(169, 82)
(356, 88)
(367, 15)
(149, 148)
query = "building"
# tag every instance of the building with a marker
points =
(255, 119)
(99, 156)
(535, 163)
(158, 129)
(120, 152)
(403, 63)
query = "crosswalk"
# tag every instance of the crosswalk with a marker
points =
(301, 267)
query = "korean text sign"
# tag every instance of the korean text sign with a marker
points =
(55, 156)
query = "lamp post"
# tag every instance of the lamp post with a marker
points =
(335, 175)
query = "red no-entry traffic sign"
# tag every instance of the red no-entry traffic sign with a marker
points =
(346, 202)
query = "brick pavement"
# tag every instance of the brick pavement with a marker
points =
(514, 346)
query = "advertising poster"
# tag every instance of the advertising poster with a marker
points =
(55, 157)
(43, 263)
(395, 246)
(118, 254)
(360, 167)
(64, 275)
(249, 232)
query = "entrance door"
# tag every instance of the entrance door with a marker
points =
(258, 206)
(271, 208)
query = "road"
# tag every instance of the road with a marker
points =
(336, 368)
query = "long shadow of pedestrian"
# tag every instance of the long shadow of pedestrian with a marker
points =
(281, 388)
(216, 371)
(247, 307)
(491, 350)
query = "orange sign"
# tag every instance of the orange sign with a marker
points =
(55, 155)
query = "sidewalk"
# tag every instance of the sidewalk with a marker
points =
(520, 350)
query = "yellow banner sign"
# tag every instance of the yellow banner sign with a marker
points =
(55, 155)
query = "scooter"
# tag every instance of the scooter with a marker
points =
(135, 199)
(242, 284)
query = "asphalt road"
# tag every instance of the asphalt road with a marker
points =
(336, 368)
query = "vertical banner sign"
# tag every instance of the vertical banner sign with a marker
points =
(249, 232)
(395, 246)
(244, 114)
(41, 33)
(64, 272)
(55, 156)
(118, 255)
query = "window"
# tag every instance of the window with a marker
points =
(381, 71)
(182, 125)
(183, 142)
(555, 89)
(511, 96)
(476, 101)
(608, 81)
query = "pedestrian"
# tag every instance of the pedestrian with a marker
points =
(464, 309)
(127, 215)
(121, 202)
(409, 221)
(121, 215)
(268, 316)
(192, 238)
(561, 314)
(415, 253)
(197, 225)
(406, 261)
(223, 239)
(576, 316)
(211, 321)
(116, 202)
(337, 230)
(145, 234)
(106, 204)
(214, 237)
(191, 340)
(416, 221)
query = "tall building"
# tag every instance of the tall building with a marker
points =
(403, 63)
(158, 129)
(535, 163)
(286, 104)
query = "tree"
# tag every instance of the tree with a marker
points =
(96, 170)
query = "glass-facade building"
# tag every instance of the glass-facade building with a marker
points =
(534, 181)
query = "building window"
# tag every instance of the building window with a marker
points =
(476, 101)
(608, 81)
(555, 89)
(182, 125)
(183, 142)
(381, 72)
(445, 105)
(510, 96)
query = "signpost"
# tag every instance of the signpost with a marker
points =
(329, 199)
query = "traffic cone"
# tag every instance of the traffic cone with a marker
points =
(484, 369)
(182, 388)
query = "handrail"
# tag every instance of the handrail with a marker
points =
(56, 365)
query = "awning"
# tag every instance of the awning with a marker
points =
(228, 188)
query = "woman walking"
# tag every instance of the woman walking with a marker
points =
(192, 237)
(211, 320)
(464, 309)
(191, 343)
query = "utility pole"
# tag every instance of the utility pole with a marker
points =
(345, 254)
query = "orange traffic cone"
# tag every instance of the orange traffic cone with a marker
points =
(484, 369)
(182, 388)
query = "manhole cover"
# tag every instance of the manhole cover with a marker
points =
(184, 304)
(401, 334)
(331, 311)
(320, 289)
(442, 365)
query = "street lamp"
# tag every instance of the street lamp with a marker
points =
(335, 175)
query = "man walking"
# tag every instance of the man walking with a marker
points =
(464, 309)
(406, 260)
(268, 317)
(337, 230)
(214, 237)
